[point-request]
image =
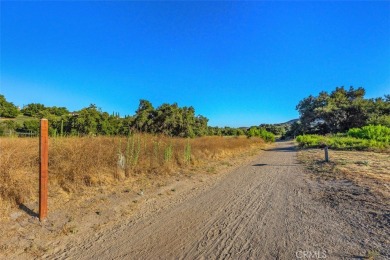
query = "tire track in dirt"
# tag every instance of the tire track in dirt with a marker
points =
(262, 210)
(249, 206)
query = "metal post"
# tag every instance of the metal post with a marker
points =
(326, 154)
(43, 168)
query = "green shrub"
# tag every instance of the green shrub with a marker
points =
(340, 142)
(371, 132)
(267, 136)
(262, 133)
(29, 126)
(311, 140)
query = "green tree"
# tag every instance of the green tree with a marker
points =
(33, 109)
(167, 119)
(127, 124)
(188, 123)
(200, 128)
(294, 130)
(379, 111)
(143, 118)
(7, 109)
(340, 110)
(87, 120)
(344, 109)
(307, 110)
(58, 111)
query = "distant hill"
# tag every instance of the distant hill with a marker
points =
(289, 122)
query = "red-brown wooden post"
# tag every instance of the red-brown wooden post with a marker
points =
(43, 168)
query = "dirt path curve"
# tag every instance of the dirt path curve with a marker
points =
(262, 210)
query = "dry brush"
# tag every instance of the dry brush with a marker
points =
(76, 164)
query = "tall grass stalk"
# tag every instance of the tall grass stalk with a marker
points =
(156, 148)
(129, 154)
(133, 149)
(62, 128)
(55, 133)
(168, 153)
(121, 162)
(137, 150)
(187, 152)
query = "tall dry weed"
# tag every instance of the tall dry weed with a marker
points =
(18, 163)
(76, 163)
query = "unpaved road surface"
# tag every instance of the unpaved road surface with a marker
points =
(262, 210)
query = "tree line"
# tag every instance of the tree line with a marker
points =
(334, 112)
(339, 111)
(167, 119)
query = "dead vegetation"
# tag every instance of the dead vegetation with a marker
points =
(90, 165)
(357, 185)
(366, 169)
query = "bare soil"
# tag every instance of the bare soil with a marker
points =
(269, 208)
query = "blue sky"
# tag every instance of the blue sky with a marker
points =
(237, 63)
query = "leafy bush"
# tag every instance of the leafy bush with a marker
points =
(7, 126)
(29, 126)
(340, 142)
(371, 132)
(311, 140)
(267, 136)
(262, 133)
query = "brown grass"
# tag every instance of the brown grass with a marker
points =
(89, 164)
(366, 169)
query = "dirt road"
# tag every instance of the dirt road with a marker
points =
(262, 210)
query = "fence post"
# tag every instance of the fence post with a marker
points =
(326, 154)
(43, 168)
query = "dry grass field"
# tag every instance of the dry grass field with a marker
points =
(82, 167)
(355, 184)
(367, 169)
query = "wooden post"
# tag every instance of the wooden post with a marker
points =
(43, 168)
(326, 154)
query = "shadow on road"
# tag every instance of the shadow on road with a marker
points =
(283, 149)
(264, 164)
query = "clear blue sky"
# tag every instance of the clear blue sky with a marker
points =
(237, 63)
